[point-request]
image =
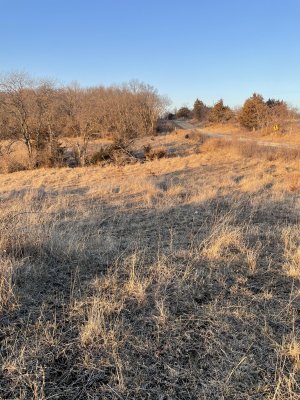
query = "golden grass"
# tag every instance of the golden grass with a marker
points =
(291, 237)
(228, 128)
(291, 135)
(16, 160)
(176, 278)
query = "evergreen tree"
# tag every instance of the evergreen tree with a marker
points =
(220, 113)
(253, 114)
(199, 110)
(277, 114)
(183, 112)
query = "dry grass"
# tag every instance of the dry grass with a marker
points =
(14, 160)
(290, 135)
(291, 237)
(173, 279)
(252, 149)
(228, 128)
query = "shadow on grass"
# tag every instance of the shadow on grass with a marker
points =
(219, 317)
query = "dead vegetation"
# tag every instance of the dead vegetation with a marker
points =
(173, 279)
(253, 149)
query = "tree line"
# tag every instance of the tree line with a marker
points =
(256, 113)
(39, 113)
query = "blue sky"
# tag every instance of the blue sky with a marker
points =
(186, 49)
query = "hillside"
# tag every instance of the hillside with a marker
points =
(176, 278)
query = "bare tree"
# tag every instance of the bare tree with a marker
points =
(37, 113)
(17, 103)
(81, 108)
(48, 120)
(149, 106)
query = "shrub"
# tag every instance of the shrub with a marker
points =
(152, 154)
(199, 110)
(117, 153)
(105, 154)
(220, 113)
(253, 114)
(51, 155)
(257, 114)
(9, 165)
(183, 112)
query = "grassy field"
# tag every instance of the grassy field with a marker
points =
(291, 134)
(171, 279)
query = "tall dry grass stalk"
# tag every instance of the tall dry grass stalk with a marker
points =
(176, 279)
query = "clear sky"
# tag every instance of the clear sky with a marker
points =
(186, 49)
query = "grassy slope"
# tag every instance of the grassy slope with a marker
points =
(173, 279)
(291, 135)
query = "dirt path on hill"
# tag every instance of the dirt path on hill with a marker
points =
(188, 126)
